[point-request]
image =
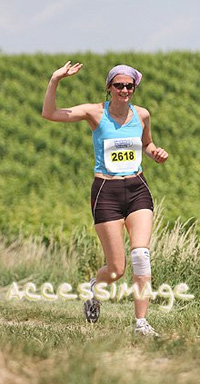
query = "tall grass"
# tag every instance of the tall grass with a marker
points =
(49, 342)
(174, 252)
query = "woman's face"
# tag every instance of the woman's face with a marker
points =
(118, 89)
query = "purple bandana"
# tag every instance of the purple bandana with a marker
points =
(124, 70)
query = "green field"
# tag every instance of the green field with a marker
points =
(43, 162)
(47, 235)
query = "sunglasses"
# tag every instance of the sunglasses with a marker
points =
(128, 86)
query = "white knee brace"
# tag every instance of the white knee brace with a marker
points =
(141, 261)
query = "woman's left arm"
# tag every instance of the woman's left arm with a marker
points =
(156, 153)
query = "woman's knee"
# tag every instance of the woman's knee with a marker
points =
(144, 243)
(140, 258)
(116, 272)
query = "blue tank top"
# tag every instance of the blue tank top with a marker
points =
(118, 148)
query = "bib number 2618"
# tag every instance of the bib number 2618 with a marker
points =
(123, 156)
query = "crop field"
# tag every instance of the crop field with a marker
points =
(43, 162)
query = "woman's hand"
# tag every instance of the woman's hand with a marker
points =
(159, 155)
(67, 70)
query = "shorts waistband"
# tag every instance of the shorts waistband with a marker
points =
(109, 177)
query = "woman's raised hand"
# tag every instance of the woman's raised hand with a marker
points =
(67, 70)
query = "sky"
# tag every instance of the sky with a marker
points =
(70, 26)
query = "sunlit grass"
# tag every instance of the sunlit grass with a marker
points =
(50, 342)
(47, 343)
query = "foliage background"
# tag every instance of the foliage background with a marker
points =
(47, 167)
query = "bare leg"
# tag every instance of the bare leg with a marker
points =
(139, 226)
(112, 241)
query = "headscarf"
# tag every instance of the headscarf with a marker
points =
(124, 70)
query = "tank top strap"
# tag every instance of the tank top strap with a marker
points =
(106, 107)
(135, 113)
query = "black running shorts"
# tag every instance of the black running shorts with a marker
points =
(114, 199)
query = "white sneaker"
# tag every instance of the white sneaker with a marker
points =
(145, 329)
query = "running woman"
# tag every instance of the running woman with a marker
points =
(120, 196)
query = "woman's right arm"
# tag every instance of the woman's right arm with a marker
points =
(50, 111)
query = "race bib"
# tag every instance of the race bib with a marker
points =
(123, 154)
